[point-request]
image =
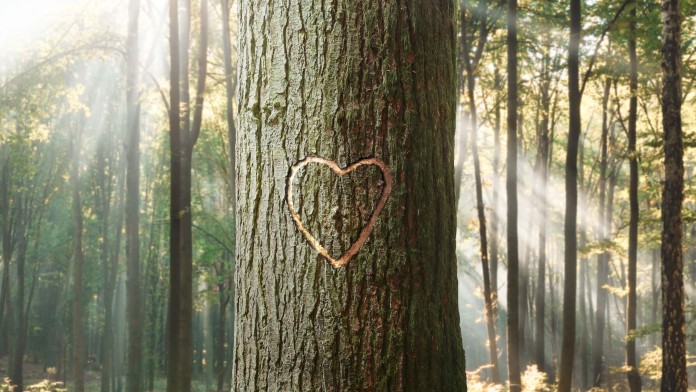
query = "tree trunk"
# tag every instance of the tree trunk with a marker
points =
(480, 208)
(7, 250)
(571, 211)
(183, 135)
(542, 168)
(602, 258)
(19, 318)
(110, 270)
(483, 242)
(511, 186)
(674, 378)
(134, 361)
(78, 365)
(634, 380)
(232, 138)
(229, 94)
(495, 243)
(364, 80)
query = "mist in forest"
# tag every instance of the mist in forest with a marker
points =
(149, 243)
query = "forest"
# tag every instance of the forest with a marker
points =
(347, 195)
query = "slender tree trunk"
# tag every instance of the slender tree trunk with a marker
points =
(7, 250)
(602, 258)
(483, 242)
(542, 169)
(104, 182)
(78, 365)
(571, 185)
(674, 377)
(134, 361)
(495, 243)
(585, 287)
(110, 272)
(232, 137)
(387, 320)
(634, 380)
(229, 90)
(480, 208)
(183, 135)
(19, 319)
(511, 185)
(655, 285)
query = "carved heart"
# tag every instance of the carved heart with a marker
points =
(355, 247)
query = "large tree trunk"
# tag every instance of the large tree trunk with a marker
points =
(366, 79)
(634, 380)
(134, 303)
(183, 135)
(571, 211)
(674, 377)
(513, 324)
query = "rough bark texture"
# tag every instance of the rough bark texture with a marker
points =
(134, 362)
(634, 380)
(347, 80)
(513, 323)
(183, 135)
(571, 212)
(674, 378)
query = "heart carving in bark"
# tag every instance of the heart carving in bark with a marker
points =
(366, 230)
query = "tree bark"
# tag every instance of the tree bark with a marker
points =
(513, 331)
(183, 135)
(674, 377)
(134, 302)
(361, 79)
(634, 380)
(571, 185)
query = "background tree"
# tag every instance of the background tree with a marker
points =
(511, 186)
(634, 380)
(673, 339)
(571, 186)
(135, 309)
(183, 134)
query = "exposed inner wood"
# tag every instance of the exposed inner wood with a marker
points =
(366, 230)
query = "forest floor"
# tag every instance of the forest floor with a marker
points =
(37, 377)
